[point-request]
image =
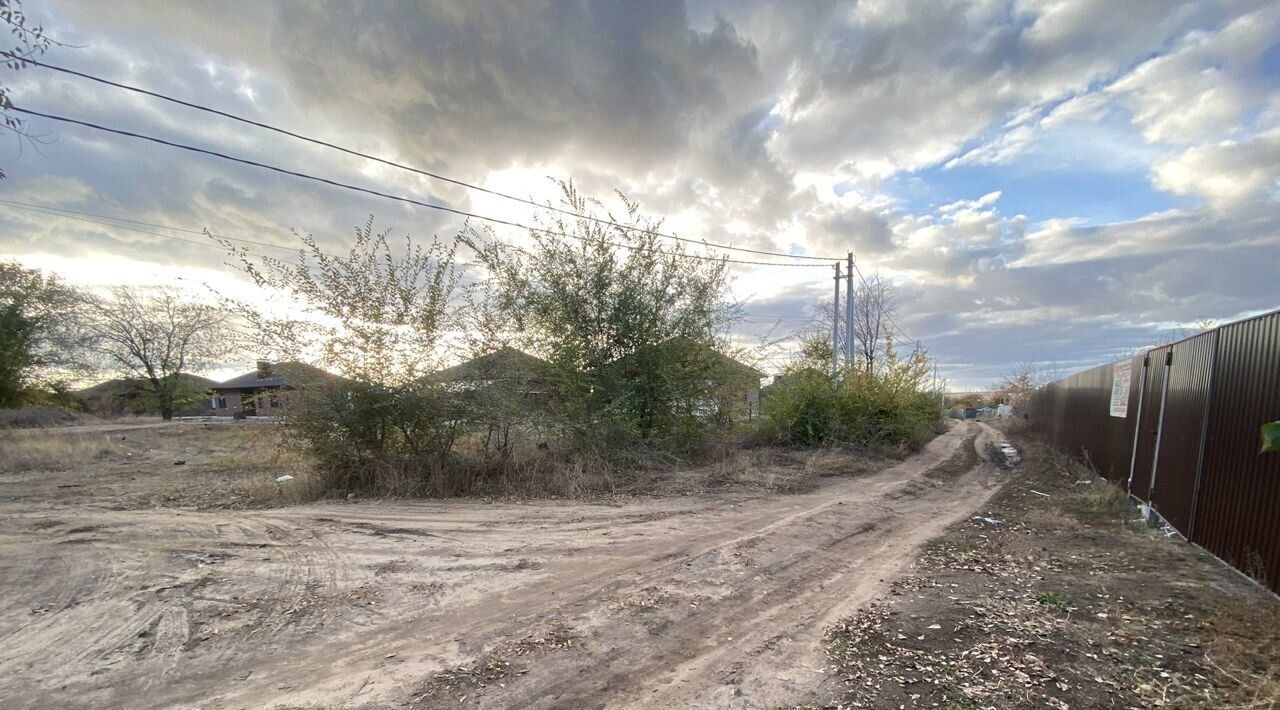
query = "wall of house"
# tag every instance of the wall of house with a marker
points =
(739, 397)
(232, 398)
(263, 402)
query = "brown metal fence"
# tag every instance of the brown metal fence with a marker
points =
(1188, 444)
(1064, 411)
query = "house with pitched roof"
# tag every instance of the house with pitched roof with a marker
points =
(264, 391)
(733, 387)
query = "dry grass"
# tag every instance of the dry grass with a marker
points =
(53, 451)
(209, 465)
(1091, 496)
(1099, 497)
(1251, 663)
(772, 470)
(39, 418)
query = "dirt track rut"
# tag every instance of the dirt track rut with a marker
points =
(711, 602)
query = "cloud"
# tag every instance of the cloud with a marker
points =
(1227, 174)
(861, 230)
(768, 126)
(1205, 85)
(1199, 90)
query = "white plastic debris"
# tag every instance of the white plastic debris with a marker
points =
(283, 479)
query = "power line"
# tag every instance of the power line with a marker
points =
(887, 316)
(102, 220)
(774, 316)
(84, 217)
(376, 193)
(392, 163)
(53, 212)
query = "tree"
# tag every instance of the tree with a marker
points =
(1022, 379)
(873, 308)
(156, 336)
(30, 41)
(378, 316)
(42, 338)
(599, 301)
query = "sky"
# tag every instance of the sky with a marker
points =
(1054, 182)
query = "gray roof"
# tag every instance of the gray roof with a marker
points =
(282, 373)
(502, 364)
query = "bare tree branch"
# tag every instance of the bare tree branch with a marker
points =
(155, 337)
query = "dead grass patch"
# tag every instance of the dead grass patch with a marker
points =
(40, 418)
(55, 451)
(1245, 648)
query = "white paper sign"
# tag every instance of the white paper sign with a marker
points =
(1120, 389)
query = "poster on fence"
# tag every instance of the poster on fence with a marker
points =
(1120, 389)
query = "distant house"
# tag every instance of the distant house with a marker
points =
(132, 396)
(512, 371)
(738, 387)
(263, 392)
(499, 389)
(734, 386)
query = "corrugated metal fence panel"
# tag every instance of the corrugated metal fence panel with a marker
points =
(1074, 414)
(1237, 513)
(1185, 407)
(1145, 457)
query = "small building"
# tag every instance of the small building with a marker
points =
(733, 386)
(263, 392)
(499, 390)
(118, 397)
(511, 371)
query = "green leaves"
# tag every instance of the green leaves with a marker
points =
(1270, 437)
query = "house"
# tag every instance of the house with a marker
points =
(515, 372)
(733, 386)
(263, 392)
(499, 389)
(122, 396)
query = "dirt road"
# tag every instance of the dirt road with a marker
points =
(710, 601)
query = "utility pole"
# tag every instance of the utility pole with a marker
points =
(942, 397)
(849, 356)
(835, 326)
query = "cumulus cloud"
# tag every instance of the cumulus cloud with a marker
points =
(1227, 174)
(1204, 86)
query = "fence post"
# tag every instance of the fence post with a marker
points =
(1137, 420)
(1155, 455)
(1204, 431)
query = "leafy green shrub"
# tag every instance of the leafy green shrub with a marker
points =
(803, 408)
(627, 322)
(382, 438)
(375, 316)
(811, 406)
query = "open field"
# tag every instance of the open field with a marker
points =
(134, 465)
(712, 600)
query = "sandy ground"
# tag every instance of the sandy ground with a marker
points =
(701, 601)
